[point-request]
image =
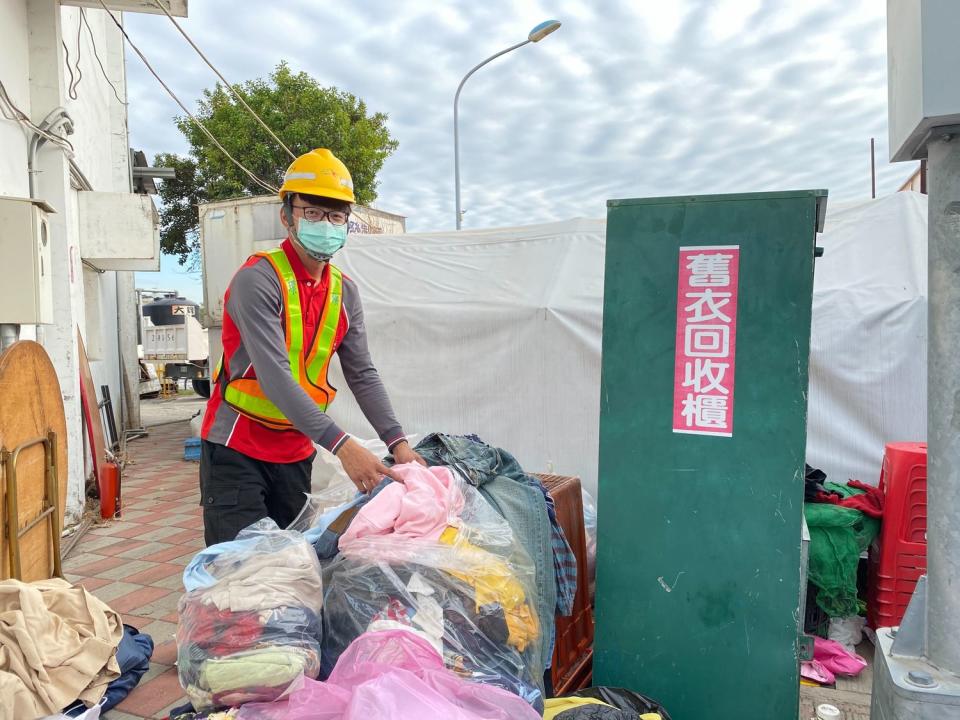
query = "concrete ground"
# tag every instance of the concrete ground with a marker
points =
(158, 411)
(135, 563)
(851, 696)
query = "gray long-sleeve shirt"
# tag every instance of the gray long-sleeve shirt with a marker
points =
(254, 316)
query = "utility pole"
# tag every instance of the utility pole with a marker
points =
(917, 672)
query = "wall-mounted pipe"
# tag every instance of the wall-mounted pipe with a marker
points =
(55, 118)
(9, 334)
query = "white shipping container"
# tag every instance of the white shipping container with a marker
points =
(232, 230)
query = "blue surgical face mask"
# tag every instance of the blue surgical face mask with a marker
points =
(320, 239)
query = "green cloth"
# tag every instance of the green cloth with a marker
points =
(267, 667)
(837, 537)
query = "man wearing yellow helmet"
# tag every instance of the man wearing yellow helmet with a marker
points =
(286, 312)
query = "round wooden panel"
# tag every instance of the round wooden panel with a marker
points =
(30, 406)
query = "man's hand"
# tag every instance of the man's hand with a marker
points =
(362, 466)
(403, 453)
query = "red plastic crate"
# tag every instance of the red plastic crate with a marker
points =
(898, 556)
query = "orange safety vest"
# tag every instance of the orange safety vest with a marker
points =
(309, 369)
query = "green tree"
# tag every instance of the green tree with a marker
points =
(301, 112)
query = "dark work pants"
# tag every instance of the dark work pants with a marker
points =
(237, 490)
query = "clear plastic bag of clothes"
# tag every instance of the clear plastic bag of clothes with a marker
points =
(250, 624)
(590, 529)
(467, 589)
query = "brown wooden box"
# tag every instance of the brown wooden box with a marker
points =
(572, 666)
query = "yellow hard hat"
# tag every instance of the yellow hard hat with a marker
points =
(318, 172)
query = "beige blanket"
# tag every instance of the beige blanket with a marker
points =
(57, 644)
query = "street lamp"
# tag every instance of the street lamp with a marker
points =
(536, 35)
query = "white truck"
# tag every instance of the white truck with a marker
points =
(172, 336)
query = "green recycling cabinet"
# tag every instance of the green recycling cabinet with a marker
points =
(703, 411)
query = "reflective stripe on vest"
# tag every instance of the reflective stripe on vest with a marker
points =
(309, 369)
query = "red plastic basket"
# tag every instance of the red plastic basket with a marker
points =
(898, 556)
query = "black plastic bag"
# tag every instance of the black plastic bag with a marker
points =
(623, 699)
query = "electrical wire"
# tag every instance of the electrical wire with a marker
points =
(230, 87)
(93, 44)
(262, 183)
(66, 54)
(72, 87)
(11, 112)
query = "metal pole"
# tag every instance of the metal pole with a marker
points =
(873, 170)
(943, 377)
(456, 132)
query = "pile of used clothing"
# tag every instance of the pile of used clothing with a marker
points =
(433, 597)
(63, 651)
(843, 520)
(249, 623)
(431, 557)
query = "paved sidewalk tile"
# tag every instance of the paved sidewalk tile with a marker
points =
(139, 549)
(135, 563)
(154, 695)
(165, 555)
(127, 568)
(154, 572)
(113, 590)
(97, 567)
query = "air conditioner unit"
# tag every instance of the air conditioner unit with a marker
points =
(119, 231)
(26, 271)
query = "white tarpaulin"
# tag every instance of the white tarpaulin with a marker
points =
(498, 332)
(492, 332)
(868, 350)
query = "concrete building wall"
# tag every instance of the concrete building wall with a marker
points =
(14, 73)
(33, 70)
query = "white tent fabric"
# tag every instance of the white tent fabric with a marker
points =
(868, 349)
(492, 332)
(498, 332)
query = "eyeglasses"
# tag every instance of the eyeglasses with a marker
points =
(315, 214)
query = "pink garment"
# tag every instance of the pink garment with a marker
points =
(420, 507)
(835, 658)
(388, 675)
(813, 670)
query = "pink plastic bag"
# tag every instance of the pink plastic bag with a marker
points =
(834, 657)
(813, 670)
(387, 675)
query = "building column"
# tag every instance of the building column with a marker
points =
(52, 184)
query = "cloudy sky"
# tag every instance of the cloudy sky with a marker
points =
(630, 98)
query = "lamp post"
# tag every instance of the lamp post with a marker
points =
(536, 35)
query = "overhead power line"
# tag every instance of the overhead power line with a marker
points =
(230, 87)
(262, 183)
